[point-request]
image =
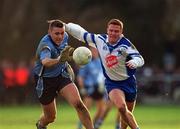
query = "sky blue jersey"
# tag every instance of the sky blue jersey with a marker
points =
(92, 73)
(47, 48)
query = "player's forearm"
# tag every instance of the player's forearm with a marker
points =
(75, 30)
(47, 62)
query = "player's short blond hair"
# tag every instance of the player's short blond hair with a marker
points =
(116, 22)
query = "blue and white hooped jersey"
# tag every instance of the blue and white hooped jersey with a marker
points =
(112, 57)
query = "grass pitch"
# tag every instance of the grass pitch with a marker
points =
(148, 117)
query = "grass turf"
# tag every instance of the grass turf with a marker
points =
(148, 117)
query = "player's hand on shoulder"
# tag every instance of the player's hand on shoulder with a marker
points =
(66, 54)
(65, 24)
(62, 21)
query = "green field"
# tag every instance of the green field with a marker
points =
(148, 117)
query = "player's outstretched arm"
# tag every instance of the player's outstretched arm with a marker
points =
(75, 30)
(81, 34)
(66, 55)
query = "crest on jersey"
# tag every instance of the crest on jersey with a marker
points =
(105, 48)
(119, 53)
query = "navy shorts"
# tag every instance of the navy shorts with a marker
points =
(128, 86)
(94, 93)
(51, 87)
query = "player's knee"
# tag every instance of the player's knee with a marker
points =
(122, 108)
(79, 105)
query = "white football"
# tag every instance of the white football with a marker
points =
(82, 55)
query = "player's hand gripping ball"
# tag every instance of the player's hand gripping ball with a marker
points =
(82, 55)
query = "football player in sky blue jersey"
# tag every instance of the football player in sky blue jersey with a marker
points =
(54, 76)
(119, 59)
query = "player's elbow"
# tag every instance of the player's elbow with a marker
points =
(44, 62)
(140, 61)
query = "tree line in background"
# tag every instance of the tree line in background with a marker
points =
(153, 26)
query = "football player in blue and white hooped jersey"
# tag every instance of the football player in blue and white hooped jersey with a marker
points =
(119, 59)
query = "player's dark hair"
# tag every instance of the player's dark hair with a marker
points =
(55, 23)
(116, 22)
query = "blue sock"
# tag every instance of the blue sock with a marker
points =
(79, 126)
(117, 126)
(98, 123)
